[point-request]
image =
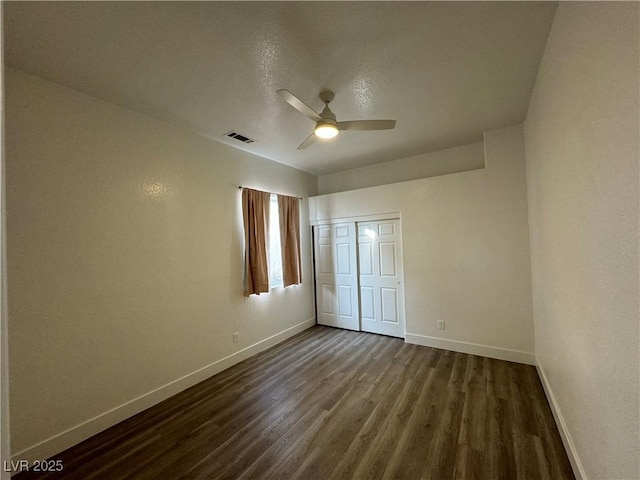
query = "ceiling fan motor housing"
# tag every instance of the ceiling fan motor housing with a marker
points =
(327, 114)
(327, 126)
(327, 96)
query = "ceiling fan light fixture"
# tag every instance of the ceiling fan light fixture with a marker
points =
(326, 130)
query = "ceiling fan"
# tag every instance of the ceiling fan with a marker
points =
(326, 124)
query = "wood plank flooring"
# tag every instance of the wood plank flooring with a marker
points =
(332, 404)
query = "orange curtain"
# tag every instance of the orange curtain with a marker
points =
(289, 213)
(255, 212)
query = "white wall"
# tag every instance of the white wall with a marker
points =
(466, 250)
(124, 262)
(582, 176)
(442, 162)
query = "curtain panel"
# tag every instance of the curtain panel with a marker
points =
(255, 213)
(289, 213)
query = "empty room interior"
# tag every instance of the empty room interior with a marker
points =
(320, 240)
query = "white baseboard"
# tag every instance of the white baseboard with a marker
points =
(75, 435)
(569, 446)
(472, 348)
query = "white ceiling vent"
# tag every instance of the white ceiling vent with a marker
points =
(239, 137)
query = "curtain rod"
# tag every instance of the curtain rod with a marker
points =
(299, 198)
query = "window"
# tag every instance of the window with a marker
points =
(271, 253)
(275, 250)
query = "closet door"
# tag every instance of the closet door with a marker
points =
(380, 269)
(336, 275)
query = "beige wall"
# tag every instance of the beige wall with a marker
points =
(125, 260)
(466, 250)
(582, 176)
(443, 162)
(5, 451)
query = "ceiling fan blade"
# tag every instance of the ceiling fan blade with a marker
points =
(310, 139)
(299, 105)
(367, 125)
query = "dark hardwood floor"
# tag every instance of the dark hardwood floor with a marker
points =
(335, 404)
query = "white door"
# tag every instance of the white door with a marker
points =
(381, 280)
(336, 275)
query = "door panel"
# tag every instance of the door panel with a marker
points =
(345, 294)
(327, 297)
(380, 277)
(386, 229)
(389, 298)
(387, 259)
(367, 305)
(336, 276)
(366, 259)
(343, 231)
(326, 260)
(344, 258)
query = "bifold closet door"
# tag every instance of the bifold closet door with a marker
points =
(336, 275)
(381, 277)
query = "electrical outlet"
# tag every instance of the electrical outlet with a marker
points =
(440, 324)
(236, 337)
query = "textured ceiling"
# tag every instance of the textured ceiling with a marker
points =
(446, 71)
